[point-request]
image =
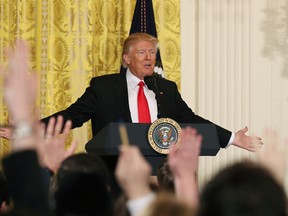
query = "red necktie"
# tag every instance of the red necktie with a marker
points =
(143, 108)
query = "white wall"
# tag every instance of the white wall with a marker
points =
(234, 68)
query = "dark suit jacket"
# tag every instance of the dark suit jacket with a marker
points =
(106, 101)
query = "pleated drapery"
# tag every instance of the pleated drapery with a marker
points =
(73, 41)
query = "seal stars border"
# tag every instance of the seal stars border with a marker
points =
(163, 133)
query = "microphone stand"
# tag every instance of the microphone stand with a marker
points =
(152, 85)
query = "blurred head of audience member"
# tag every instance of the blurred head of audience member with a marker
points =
(4, 194)
(165, 177)
(167, 204)
(82, 194)
(82, 162)
(120, 207)
(244, 188)
(82, 187)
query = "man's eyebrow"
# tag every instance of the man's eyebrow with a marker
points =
(143, 49)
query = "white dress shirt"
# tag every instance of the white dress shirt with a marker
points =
(132, 84)
(138, 206)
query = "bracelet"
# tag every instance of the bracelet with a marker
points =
(21, 130)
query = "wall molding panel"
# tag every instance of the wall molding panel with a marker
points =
(235, 69)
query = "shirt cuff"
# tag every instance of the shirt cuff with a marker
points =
(136, 206)
(230, 140)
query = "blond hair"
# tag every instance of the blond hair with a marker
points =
(134, 38)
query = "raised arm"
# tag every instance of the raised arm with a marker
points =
(183, 162)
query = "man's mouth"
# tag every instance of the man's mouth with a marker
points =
(147, 65)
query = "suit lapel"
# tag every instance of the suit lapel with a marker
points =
(161, 101)
(121, 93)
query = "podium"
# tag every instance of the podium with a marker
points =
(106, 143)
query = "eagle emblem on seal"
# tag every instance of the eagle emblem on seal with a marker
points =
(163, 133)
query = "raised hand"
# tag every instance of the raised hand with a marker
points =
(183, 162)
(273, 155)
(52, 149)
(19, 83)
(132, 172)
(19, 86)
(19, 94)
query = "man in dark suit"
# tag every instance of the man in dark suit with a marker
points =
(113, 98)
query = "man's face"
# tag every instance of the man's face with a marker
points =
(141, 59)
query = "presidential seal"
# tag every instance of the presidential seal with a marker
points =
(163, 133)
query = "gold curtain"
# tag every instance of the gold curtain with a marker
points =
(72, 41)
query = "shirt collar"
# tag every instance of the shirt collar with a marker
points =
(132, 80)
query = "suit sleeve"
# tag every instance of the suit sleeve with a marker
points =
(184, 114)
(80, 111)
(223, 134)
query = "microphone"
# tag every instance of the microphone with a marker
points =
(151, 83)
